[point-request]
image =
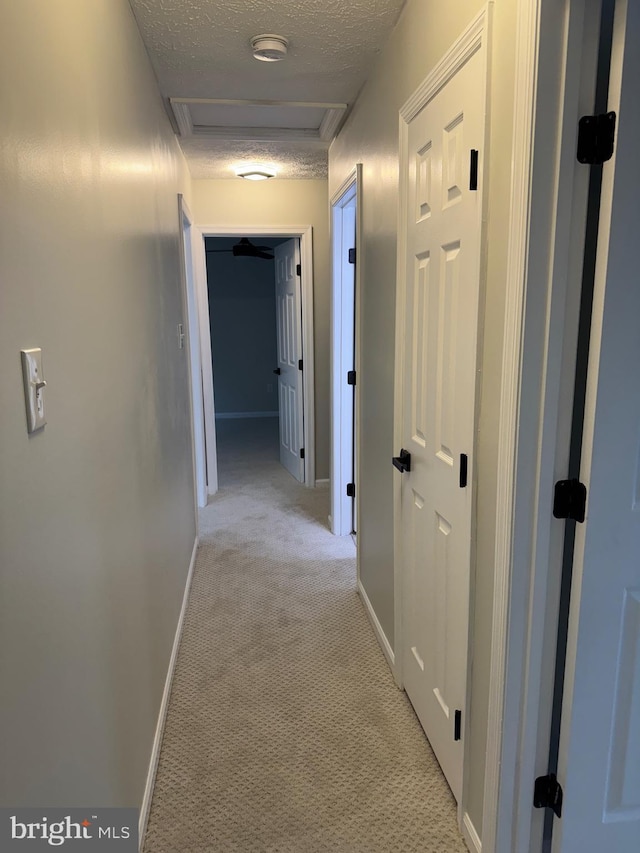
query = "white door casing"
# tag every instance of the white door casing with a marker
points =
(344, 212)
(304, 233)
(599, 763)
(193, 344)
(289, 335)
(440, 318)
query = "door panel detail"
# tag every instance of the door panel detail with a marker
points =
(441, 316)
(421, 360)
(452, 160)
(423, 171)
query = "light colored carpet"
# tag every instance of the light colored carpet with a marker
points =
(285, 730)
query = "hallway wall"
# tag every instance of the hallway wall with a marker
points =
(423, 34)
(282, 203)
(97, 516)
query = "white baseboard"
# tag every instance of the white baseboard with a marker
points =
(470, 835)
(377, 627)
(223, 415)
(324, 482)
(162, 716)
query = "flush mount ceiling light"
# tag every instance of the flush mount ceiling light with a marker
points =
(269, 48)
(255, 172)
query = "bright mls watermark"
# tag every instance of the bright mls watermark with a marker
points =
(69, 829)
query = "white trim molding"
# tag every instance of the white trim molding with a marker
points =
(190, 322)
(470, 834)
(164, 705)
(556, 55)
(202, 307)
(385, 645)
(526, 59)
(344, 455)
(465, 46)
(305, 234)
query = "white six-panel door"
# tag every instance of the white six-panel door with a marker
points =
(441, 318)
(289, 331)
(599, 764)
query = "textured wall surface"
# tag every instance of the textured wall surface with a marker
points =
(423, 34)
(96, 512)
(283, 203)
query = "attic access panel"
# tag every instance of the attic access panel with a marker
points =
(239, 120)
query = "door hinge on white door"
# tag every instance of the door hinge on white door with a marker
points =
(570, 500)
(352, 256)
(351, 490)
(457, 725)
(298, 269)
(596, 135)
(547, 794)
(302, 453)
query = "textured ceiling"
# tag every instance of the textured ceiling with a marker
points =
(201, 49)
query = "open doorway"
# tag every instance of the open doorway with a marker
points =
(254, 292)
(254, 381)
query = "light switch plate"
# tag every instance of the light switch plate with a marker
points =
(34, 385)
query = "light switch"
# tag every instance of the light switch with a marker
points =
(34, 385)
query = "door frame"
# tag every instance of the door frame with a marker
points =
(340, 340)
(305, 234)
(205, 479)
(474, 38)
(556, 57)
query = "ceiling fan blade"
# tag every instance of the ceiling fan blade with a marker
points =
(244, 248)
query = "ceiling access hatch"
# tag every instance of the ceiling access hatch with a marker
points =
(254, 120)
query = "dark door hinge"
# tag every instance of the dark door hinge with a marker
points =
(547, 794)
(352, 256)
(464, 467)
(298, 269)
(351, 377)
(457, 725)
(302, 453)
(351, 490)
(596, 135)
(299, 364)
(473, 170)
(570, 500)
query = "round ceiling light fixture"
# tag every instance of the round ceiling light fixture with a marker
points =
(269, 48)
(255, 172)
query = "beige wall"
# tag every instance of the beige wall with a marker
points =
(276, 203)
(96, 512)
(423, 34)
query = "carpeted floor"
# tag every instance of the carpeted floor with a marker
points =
(285, 731)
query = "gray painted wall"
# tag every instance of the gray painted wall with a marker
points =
(423, 34)
(242, 313)
(96, 512)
